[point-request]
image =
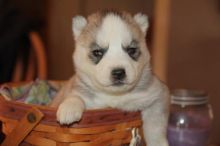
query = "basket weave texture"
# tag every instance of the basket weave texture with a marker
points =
(105, 127)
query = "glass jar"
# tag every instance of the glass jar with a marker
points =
(190, 118)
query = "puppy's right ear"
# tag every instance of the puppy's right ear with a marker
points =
(78, 23)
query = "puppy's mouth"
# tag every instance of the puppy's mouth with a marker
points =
(118, 83)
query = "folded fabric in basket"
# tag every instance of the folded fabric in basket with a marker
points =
(39, 92)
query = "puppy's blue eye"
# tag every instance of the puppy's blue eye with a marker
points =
(97, 53)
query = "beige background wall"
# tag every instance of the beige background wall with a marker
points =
(194, 46)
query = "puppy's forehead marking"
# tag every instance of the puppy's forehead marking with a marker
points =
(113, 30)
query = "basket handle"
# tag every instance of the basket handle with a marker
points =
(24, 127)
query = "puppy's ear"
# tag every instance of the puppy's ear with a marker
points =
(78, 23)
(142, 21)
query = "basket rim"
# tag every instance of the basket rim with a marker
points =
(93, 117)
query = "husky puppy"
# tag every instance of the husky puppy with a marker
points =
(112, 65)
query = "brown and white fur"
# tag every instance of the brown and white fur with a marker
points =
(112, 65)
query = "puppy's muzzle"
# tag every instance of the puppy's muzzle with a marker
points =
(118, 76)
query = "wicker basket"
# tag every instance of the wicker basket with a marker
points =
(27, 124)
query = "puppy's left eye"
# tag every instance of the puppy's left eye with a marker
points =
(131, 51)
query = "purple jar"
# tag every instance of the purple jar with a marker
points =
(190, 118)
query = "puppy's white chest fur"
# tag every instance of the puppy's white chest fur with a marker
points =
(128, 102)
(114, 101)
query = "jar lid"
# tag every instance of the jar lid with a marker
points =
(186, 97)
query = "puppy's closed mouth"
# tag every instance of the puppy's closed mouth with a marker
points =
(121, 83)
(118, 83)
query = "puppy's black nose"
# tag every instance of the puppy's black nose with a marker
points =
(118, 74)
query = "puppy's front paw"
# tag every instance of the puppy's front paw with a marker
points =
(69, 112)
